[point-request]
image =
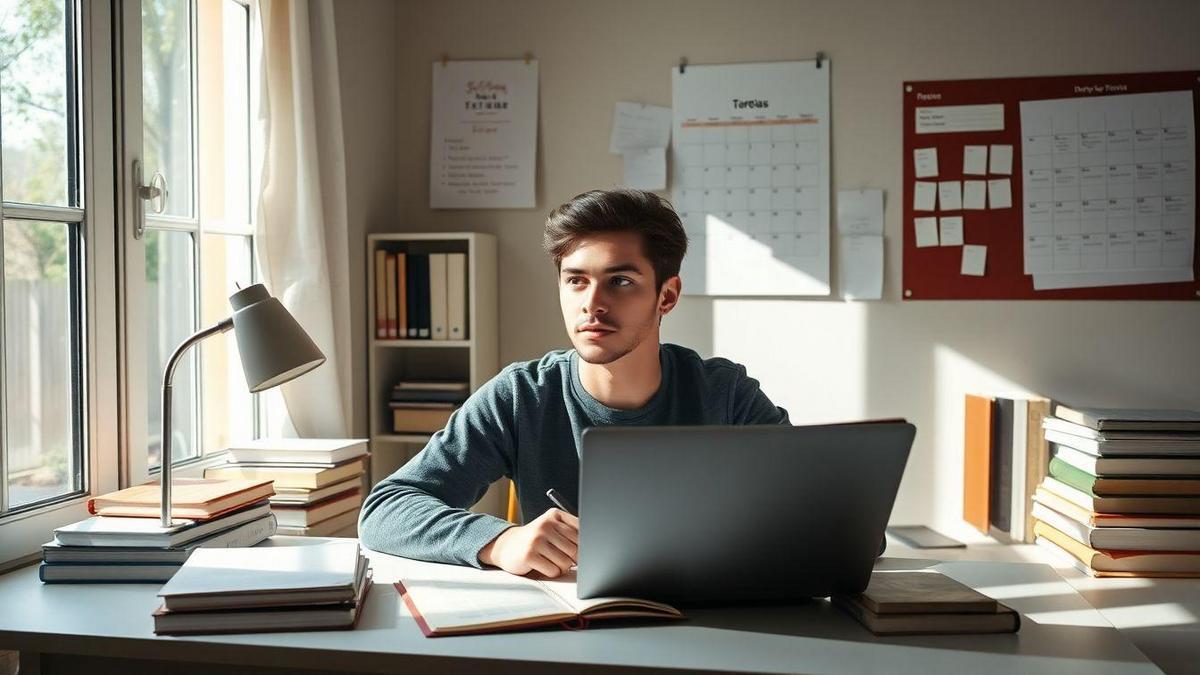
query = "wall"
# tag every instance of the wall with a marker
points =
(821, 359)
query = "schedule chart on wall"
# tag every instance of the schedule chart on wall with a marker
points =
(1109, 189)
(751, 177)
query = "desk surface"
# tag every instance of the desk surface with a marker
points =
(1060, 632)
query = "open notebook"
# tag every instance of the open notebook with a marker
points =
(458, 600)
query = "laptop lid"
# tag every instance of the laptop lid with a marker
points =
(717, 515)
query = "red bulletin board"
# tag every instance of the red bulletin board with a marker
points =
(934, 273)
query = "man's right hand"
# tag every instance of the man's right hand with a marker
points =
(549, 545)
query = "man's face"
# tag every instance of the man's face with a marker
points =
(608, 296)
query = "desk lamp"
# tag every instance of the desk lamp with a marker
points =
(274, 349)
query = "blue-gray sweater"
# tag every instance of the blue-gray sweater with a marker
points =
(526, 424)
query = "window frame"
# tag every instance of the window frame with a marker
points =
(23, 531)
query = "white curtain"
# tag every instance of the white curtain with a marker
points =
(301, 209)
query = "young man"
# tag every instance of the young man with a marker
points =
(618, 255)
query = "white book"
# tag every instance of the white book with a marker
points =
(1119, 446)
(147, 532)
(1020, 451)
(225, 577)
(298, 450)
(245, 534)
(456, 295)
(341, 525)
(439, 330)
(105, 572)
(1119, 538)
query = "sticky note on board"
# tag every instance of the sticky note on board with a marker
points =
(951, 230)
(975, 160)
(926, 162)
(974, 194)
(1001, 160)
(927, 231)
(974, 260)
(1000, 193)
(924, 196)
(950, 195)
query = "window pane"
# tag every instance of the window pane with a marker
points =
(33, 101)
(228, 404)
(224, 120)
(171, 319)
(43, 460)
(167, 99)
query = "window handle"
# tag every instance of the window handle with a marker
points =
(156, 193)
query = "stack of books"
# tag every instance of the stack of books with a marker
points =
(312, 585)
(925, 603)
(125, 542)
(318, 482)
(1122, 497)
(425, 406)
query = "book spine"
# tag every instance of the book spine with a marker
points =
(1037, 456)
(411, 292)
(401, 295)
(438, 296)
(456, 295)
(380, 293)
(977, 462)
(390, 290)
(1000, 506)
(423, 315)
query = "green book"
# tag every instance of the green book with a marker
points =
(1122, 486)
(1073, 476)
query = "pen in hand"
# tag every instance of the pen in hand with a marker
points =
(560, 501)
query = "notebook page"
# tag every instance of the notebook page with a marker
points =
(565, 588)
(450, 595)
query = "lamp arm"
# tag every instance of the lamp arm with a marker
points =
(165, 442)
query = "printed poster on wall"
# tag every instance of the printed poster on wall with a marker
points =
(483, 139)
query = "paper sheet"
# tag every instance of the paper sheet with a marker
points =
(951, 230)
(1000, 193)
(975, 160)
(924, 196)
(646, 168)
(1001, 160)
(926, 162)
(927, 231)
(751, 182)
(860, 212)
(974, 194)
(483, 137)
(974, 260)
(860, 265)
(637, 126)
(943, 119)
(1109, 189)
(950, 195)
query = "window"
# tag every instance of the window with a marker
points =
(199, 240)
(43, 214)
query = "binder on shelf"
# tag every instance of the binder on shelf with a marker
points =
(456, 296)
(421, 262)
(381, 293)
(401, 296)
(411, 293)
(390, 301)
(438, 329)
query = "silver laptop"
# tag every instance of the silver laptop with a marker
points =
(741, 514)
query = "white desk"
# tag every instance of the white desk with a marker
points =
(107, 628)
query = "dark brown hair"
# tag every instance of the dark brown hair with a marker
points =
(664, 242)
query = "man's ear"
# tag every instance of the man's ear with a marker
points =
(668, 296)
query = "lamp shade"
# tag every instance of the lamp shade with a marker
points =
(273, 346)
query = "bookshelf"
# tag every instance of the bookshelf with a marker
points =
(475, 359)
